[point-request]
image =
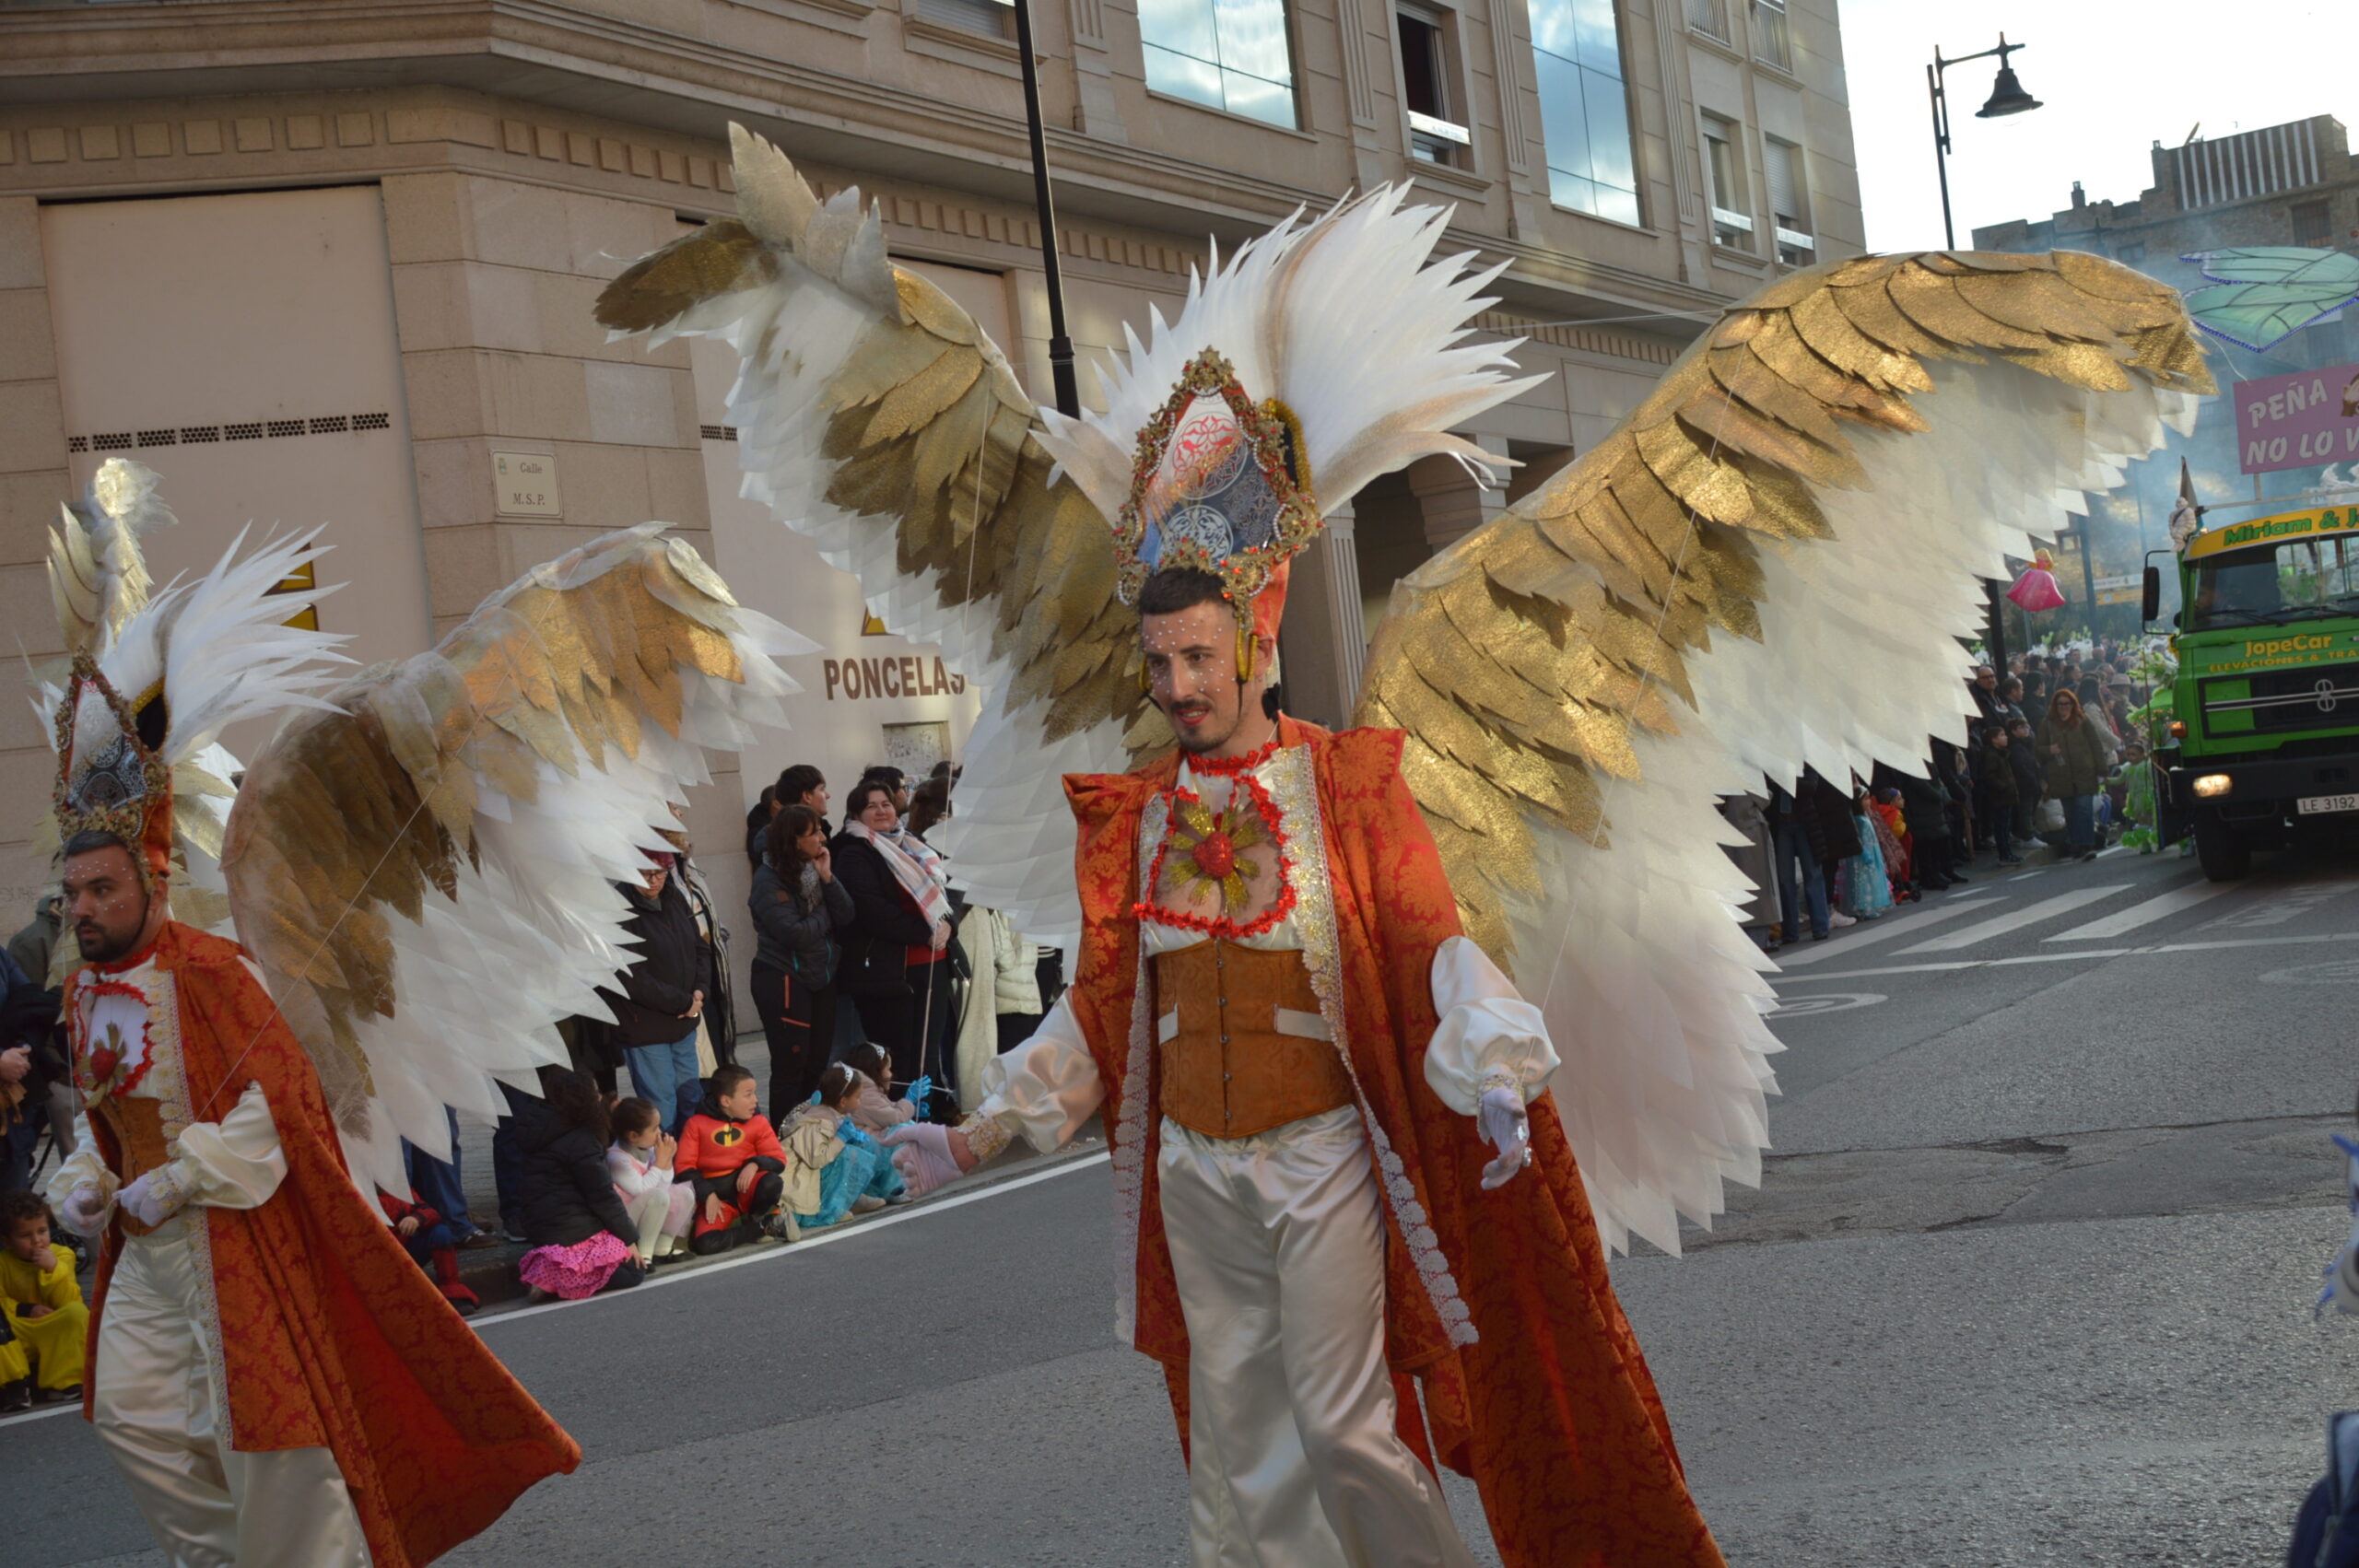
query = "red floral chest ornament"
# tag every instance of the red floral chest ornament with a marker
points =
(1221, 857)
(110, 1061)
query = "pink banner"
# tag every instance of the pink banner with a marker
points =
(2298, 421)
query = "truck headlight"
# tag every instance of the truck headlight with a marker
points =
(2209, 785)
(2178, 729)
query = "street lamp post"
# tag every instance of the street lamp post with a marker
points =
(1060, 361)
(2007, 97)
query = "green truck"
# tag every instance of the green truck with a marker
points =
(2264, 743)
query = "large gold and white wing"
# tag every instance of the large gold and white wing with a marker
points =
(878, 419)
(424, 863)
(1767, 565)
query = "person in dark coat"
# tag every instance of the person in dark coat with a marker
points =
(581, 1238)
(2001, 788)
(1801, 837)
(893, 951)
(800, 908)
(30, 1063)
(663, 996)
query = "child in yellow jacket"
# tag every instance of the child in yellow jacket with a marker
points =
(42, 1301)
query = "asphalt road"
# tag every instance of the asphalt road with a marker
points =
(2027, 1281)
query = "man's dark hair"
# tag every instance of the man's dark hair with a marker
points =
(90, 840)
(795, 783)
(1175, 588)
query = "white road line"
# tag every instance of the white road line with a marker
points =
(2185, 897)
(2032, 914)
(2074, 954)
(1887, 928)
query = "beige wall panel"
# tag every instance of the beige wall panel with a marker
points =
(210, 310)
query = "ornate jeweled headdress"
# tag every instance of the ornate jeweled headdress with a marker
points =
(1334, 346)
(111, 776)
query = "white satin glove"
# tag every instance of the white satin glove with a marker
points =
(1507, 1128)
(84, 1210)
(921, 1154)
(153, 1199)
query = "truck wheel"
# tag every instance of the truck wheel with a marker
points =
(2225, 857)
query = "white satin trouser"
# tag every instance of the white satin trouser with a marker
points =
(208, 1505)
(1295, 1462)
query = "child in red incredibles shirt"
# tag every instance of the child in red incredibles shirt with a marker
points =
(734, 1160)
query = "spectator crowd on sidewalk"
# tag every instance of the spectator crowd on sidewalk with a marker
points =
(2052, 763)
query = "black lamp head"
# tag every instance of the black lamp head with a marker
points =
(2007, 96)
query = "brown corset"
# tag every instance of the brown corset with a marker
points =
(1232, 1063)
(137, 1128)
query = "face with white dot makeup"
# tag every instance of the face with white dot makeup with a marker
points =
(1192, 676)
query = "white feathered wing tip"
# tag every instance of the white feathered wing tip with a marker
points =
(220, 646)
(1348, 321)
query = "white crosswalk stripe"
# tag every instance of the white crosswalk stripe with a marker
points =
(2127, 920)
(2030, 915)
(1884, 930)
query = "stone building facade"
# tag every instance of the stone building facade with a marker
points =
(330, 262)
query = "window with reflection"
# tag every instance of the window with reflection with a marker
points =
(1584, 108)
(1227, 55)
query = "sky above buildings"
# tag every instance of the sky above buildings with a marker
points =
(2113, 77)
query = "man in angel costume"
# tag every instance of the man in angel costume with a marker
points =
(1350, 1218)
(276, 1381)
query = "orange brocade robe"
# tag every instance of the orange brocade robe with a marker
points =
(1552, 1410)
(332, 1335)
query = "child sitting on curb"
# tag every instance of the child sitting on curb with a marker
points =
(835, 1169)
(874, 1110)
(641, 1164)
(42, 1304)
(428, 1237)
(732, 1158)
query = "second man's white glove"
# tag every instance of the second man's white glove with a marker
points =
(84, 1210)
(1506, 1127)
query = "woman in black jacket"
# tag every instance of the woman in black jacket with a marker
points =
(893, 952)
(580, 1237)
(799, 909)
(663, 996)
